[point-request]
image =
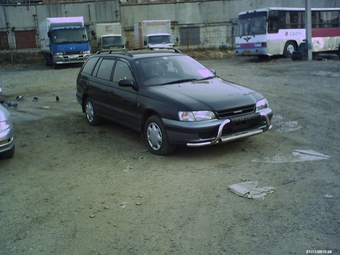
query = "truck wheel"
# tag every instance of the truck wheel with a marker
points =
(156, 137)
(289, 48)
(54, 64)
(90, 113)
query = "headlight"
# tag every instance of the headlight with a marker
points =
(59, 54)
(4, 125)
(196, 115)
(262, 104)
(86, 52)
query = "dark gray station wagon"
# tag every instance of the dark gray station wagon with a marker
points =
(170, 98)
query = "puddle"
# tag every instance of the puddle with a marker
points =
(285, 126)
(297, 156)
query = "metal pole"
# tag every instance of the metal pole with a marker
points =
(308, 18)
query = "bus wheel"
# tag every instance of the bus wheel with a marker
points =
(290, 47)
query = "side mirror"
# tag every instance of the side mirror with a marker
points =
(128, 83)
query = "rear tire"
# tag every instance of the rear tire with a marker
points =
(90, 113)
(297, 55)
(156, 136)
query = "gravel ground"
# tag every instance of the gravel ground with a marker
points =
(76, 189)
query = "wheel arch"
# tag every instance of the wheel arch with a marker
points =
(147, 114)
(83, 101)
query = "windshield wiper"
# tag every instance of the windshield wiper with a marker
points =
(187, 80)
(206, 78)
(180, 81)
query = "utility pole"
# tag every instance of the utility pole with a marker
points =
(308, 27)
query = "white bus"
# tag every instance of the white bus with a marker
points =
(279, 31)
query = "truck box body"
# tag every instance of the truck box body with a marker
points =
(153, 34)
(106, 36)
(64, 40)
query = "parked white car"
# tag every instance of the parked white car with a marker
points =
(7, 140)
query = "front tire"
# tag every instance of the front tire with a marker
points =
(289, 48)
(156, 136)
(90, 113)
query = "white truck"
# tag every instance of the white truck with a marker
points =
(64, 40)
(153, 34)
(106, 36)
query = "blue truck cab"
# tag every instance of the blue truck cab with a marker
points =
(64, 41)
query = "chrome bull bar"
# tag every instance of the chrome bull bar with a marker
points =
(235, 136)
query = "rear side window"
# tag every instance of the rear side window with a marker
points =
(89, 65)
(105, 69)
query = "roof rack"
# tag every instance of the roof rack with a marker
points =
(137, 51)
(159, 48)
(116, 51)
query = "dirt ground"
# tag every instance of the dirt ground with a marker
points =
(76, 189)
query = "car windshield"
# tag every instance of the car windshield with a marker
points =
(164, 70)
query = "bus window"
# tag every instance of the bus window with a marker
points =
(273, 22)
(329, 19)
(297, 19)
(315, 19)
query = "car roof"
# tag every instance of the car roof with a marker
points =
(136, 54)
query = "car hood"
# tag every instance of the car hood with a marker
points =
(213, 94)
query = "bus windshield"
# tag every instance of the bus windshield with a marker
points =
(252, 24)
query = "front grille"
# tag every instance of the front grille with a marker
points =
(227, 113)
(73, 53)
(238, 124)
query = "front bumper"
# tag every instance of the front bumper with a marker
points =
(251, 52)
(190, 133)
(7, 140)
(71, 59)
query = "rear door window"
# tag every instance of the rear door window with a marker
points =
(105, 69)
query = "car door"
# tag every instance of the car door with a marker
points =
(98, 88)
(122, 100)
